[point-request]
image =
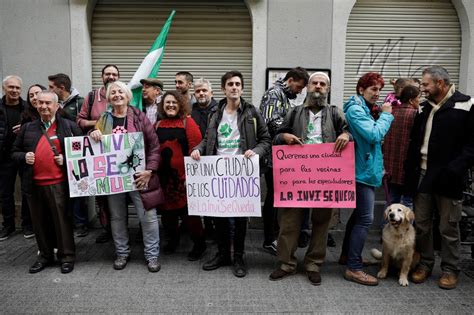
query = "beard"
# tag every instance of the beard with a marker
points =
(291, 95)
(203, 101)
(318, 98)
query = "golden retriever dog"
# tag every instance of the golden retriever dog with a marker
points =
(398, 243)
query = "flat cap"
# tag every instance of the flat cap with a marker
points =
(153, 81)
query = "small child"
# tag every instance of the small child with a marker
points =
(398, 85)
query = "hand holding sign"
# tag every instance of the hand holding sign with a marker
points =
(291, 139)
(341, 142)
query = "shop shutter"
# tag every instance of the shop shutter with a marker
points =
(207, 38)
(399, 39)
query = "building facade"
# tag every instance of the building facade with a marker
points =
(261, 38)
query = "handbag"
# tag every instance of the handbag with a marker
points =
(153, 196)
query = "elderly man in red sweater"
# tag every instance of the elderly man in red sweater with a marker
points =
(40, 144)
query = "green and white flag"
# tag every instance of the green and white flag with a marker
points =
(151, 64)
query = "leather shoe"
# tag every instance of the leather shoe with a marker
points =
(67, 267)
(314, 277)
(239, 269)
(360, 277)
(218, 261)
(38, 266)
(448, 280)
(279, 274)
(420, 275)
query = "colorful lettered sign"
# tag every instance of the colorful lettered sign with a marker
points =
(105, 167)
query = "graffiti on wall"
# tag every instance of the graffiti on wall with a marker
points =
(399, 58)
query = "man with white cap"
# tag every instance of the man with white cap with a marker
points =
(314, 122)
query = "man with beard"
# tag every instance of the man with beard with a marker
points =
(69, 99)
(70, 103)
(183, 83)
(92, 108)
(96, 103)
(311, 123)
(202, 110)
(205, 104)
(274, 106)
(440, 153)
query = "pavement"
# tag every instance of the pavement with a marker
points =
(183, 287)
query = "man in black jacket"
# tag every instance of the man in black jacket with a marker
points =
(235, 128)
(71, 103)
(440, 152)
(40, 145)
(11, 107)
(202, 111)
(69, 98)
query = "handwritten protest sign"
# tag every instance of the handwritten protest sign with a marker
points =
(223, 186)
(105, 167)
(313, 176)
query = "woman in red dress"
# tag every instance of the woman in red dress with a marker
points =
(178, 133)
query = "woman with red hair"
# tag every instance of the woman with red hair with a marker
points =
(368, 125)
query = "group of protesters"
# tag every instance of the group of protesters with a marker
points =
(427, 151)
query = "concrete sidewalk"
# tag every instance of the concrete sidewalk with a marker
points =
(183, 287)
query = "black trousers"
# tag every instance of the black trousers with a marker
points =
(269, 213)
(8, 173)
(226, 235)
(53, 222)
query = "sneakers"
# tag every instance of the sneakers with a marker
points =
(197, 252)
(6, 232)
(81, 231)
(121, 262)
(360, 277)
(448, 280)
(28, 232)
(279, 274)
(153, 264)
(271, 248)
(303, 240)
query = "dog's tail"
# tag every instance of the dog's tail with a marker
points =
(376, 253)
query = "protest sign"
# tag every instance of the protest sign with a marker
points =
(105, 167)
(313, 176)
(223, 186)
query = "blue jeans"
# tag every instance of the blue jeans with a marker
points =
(358, 225)
(79, 211)
(118, 222)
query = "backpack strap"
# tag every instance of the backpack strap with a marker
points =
(91, 102)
